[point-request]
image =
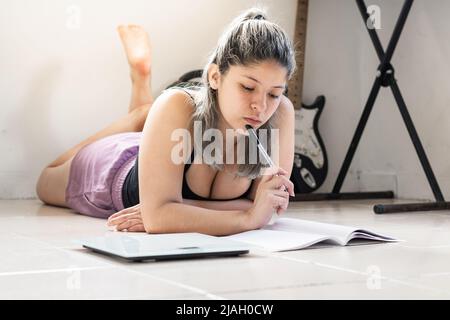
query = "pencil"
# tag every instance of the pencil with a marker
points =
(252, 133)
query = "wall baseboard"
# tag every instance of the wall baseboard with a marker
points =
(377, 181)
(20, 185)
(17, 185)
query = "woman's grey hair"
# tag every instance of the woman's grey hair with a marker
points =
(248, 40)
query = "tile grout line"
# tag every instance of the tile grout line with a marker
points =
(282, 287)
(409, 284)
(19, 273)
(111, 265)
(436, 274)
(177, 284)
(268, 255)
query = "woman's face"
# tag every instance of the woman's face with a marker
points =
(252, 91)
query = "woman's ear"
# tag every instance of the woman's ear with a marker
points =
(214, 76)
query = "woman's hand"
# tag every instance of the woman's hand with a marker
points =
(270, 196)
(128, 219)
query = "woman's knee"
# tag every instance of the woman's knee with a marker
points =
(42, 186)
(141, 116)
(52, 183)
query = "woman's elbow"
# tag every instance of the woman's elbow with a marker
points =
(153, 219)
(151, 229)
(152, 226)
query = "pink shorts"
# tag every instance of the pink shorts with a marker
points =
(97, 174)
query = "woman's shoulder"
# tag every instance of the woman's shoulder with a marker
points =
(286, 106)
(285, 112)
(187, 93)
(175, 104)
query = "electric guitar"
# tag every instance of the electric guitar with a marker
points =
(310, 158)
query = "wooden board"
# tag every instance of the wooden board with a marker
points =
(295, 85)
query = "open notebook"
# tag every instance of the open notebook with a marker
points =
(293, 234)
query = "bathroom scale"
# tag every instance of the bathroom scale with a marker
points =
(143, 246)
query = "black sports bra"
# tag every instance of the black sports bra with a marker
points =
(189, 194)
(130, 189)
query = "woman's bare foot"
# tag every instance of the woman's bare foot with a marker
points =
(138, 50)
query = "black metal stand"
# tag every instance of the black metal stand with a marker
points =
(385, 78)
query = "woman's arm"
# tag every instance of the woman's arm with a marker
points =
(130, 219)
(162, 207)
(180, 217)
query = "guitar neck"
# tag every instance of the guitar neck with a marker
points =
(295, 84)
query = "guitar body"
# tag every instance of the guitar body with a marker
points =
(310, 158)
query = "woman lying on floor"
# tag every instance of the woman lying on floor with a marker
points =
(129, 172)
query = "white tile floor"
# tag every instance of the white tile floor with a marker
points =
(39, 261)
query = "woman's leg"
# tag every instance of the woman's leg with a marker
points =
(138, 50)
(136, 44)
(132, 122)
(53, 180)
(52, 183)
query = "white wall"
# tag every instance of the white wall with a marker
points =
(341, 63)
(60, 83)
